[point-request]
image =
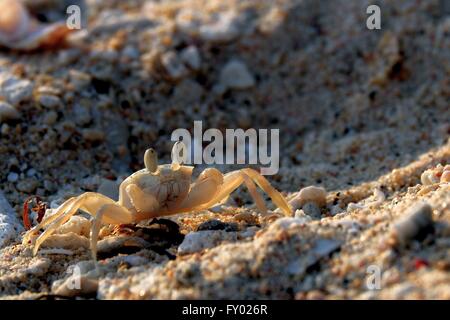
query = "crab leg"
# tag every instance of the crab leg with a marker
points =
(255, 195)
(203, 196)
(49, 219)
(231, 181)
(90, 202)
(276, 196)
(234, 179)
(108, 213)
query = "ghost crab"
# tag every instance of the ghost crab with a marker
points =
(155, 191)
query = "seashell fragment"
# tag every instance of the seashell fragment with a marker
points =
(20, 31)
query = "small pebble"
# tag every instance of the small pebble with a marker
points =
(8, 112)
(27, 185)
(312, 210)
(31, 172)
(131, 52)
(50, 118)
(49, 101)
(81, 114)
(415, 225)
(191, 57)
(13, 177)
(93, 135)
(15, 90)
(235, 75)
(79, 79)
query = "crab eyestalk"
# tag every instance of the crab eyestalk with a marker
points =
(151, 160)
(179, 155)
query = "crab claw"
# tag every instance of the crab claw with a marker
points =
(40, 208)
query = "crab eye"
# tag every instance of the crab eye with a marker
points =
(151, 160)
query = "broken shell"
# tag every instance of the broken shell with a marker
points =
(19, 30)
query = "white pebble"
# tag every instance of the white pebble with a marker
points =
(235, 75)
(13, 177)
(15, 90)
